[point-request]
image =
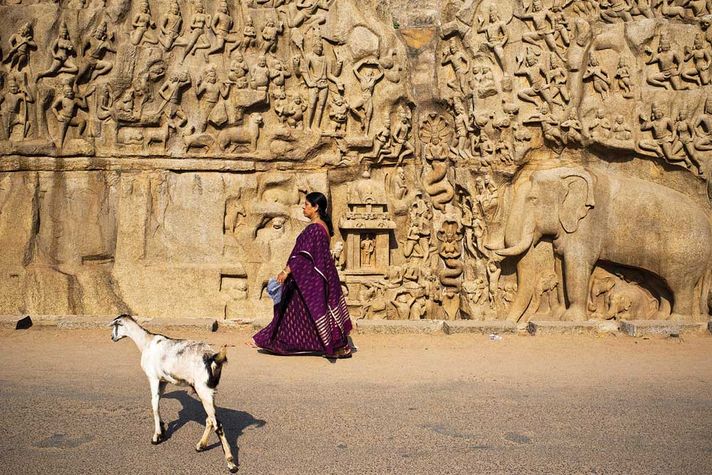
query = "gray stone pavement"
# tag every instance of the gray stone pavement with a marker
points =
(74, 402)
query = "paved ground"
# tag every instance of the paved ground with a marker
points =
(74, 402)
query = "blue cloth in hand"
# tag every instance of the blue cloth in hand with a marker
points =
(274, 289)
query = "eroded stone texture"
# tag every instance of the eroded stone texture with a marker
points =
(515, 160)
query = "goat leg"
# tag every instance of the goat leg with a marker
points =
(206, 397)
(204, 439)
(159, 431)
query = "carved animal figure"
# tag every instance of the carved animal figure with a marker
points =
(197, 140)
(600, 216)
(244, 134)
(183, 362)
(622, 300)
(157, 135)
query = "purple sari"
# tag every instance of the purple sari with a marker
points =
(312, 316)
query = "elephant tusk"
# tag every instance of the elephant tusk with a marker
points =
(518, 248)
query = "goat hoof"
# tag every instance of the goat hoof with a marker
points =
(199, 448)
(232, 467)
(157, 440)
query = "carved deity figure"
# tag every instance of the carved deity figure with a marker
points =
(249, 35)
(95, 48)
(557, 79)
(210, 92)
(662, 130)
(541, 19)
(701, 56)
(381, 142)
(703, 128)
(221, 27)
(66, 110)
(270, 33)
(600, 78)
(62, 51)
(317, 73)
(259, 74)
(401, 146)
(15, 109)
(620, 130)
(368, 250)
(600, 127)
(198, 36)
(295, 112)
(669, 64)
(457, 59)
(496, 35)
(622, 77)
(339, 112)
(684, 142)
(142, 22)
(172, 92)
(612, 10)
(402, 304)
(531, 68)
(171, 26)
(22, 44)
(237, 74)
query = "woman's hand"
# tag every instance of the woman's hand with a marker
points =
(282, 276)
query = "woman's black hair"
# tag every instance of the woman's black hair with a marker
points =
(319, 200)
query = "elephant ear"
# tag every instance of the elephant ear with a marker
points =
(577, 199)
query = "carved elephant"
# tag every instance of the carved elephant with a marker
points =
(593, 216)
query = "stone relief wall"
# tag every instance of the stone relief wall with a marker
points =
(514, 160)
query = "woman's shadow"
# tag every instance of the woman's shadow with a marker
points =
(234, 422)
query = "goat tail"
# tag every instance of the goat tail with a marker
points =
(214, 366)
(221, 356)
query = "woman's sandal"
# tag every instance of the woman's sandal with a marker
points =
(341, 353)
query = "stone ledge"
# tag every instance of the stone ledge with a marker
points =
(661, 327)
(480, 327)
(590, 327)
(400, 326)
(201, 323)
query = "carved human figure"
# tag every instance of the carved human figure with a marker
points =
(295, 113)
(339, 113)
(402, 304)
(532, 70)
(270, 33)
(496, 35)
(249, 35)
(210, 92)
(392, 70)
(557, 81)
(66, 110)
(171, 26)
(684, 142)
(571, 129)
(172, 92)
(701, 56)
(198, 36)
(15, 109)
(381, 142)
(221, 27)
(22, 44)
(259, 74)
(278, 75)
(703, 128)
(401, 145)
(662, 130)
(456, 58)
(62, 51)
(599, 78)
(643, 8)
(368, 71)
(463, 130)
(494, 270)
(622, 77)
(612, 10)
(237, 74)
(621, 130)
(669, 66)
(541, 19)
(368, 249)
(337, 253)
(95, 49)
(600, 127)
(141, 23)
(317, 73)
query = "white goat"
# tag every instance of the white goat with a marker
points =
(181, 362)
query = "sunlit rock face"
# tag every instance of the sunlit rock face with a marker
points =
(484, 160)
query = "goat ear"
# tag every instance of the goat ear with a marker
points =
(221, 357)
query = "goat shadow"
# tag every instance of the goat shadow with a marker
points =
(234, 422)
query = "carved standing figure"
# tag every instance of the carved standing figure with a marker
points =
(21, 44)
(368, 71)
(66, 110)
(317, 74)
(15, 109)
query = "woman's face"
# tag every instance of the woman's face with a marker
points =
(310, 210)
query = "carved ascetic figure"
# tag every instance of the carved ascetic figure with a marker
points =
(62, 51)
(600, 216)
(454, 56)
(369, 72)
(22, 44)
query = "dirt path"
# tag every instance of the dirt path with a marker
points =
(74, 402)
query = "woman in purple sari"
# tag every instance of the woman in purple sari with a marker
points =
(312, 316)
